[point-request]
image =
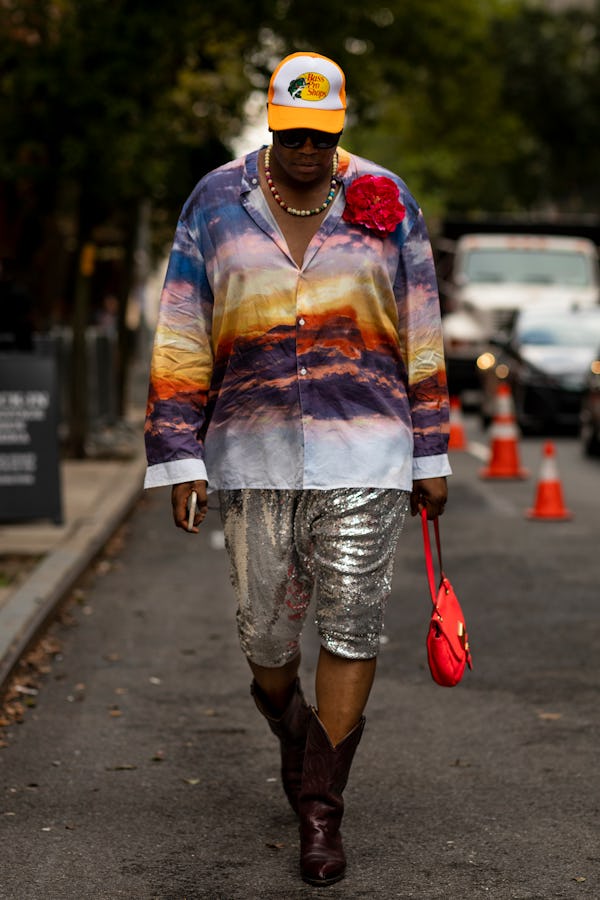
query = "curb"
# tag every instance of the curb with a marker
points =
(29, 608)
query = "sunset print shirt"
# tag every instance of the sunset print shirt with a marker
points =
(269, 375)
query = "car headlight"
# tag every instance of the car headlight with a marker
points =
(486, 361)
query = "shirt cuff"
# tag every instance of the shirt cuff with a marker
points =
(431, 466)
(175, 472)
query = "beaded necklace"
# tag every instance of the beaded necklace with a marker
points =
(290, 209)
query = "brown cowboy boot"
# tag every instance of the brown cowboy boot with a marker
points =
(291, 728)
(326, 770)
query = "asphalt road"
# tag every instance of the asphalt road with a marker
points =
(144, 771)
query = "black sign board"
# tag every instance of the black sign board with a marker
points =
(29, 446)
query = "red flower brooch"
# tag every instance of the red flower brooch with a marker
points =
(375, 203)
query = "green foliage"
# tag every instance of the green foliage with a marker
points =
(552, 83)
(478, 104)
(108, 103)
(111, 107)
(426, 95)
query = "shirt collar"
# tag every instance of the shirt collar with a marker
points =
(250, 179)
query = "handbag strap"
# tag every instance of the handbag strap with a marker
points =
(428, 554)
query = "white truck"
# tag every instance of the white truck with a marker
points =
(495, 275)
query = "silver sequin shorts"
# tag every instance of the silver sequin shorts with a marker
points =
(286, 545)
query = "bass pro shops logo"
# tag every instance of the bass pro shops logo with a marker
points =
(310, 86)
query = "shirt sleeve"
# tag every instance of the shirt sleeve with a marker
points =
(181, 368)
(421, 336)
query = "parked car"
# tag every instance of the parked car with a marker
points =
(495, 275)
(590, 409)
(545, 357)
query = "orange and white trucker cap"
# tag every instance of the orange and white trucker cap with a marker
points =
(307, 90)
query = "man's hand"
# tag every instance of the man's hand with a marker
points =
(180, 495)
(430, 494)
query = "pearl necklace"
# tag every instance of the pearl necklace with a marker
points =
(290, 209)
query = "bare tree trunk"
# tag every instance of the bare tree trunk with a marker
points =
(78, 418)
(136, 267)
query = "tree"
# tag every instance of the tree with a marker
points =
(107, 106)
(552, 83)
(426, 94)
(113, 107)
(479, 104)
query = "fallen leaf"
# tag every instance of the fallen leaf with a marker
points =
(158, 756)
(274, 845)
(191, 780)
(24, 689)
(18, 711)
(549, 716)
(580, 879)
(78, 693)
(122, 767)
(154, 680)
(115, 712)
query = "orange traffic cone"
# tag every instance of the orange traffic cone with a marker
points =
(504, 452)
(549, 499)
(457, 439)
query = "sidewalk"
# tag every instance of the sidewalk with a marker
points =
(97, 495)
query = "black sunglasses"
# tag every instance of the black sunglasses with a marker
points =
(293, 138)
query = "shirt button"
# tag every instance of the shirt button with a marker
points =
(301, 321)
(255, 181)
(303, 371)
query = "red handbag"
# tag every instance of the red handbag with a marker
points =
(447, 640)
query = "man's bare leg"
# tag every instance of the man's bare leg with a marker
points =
(343, 687)
(277, 683)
